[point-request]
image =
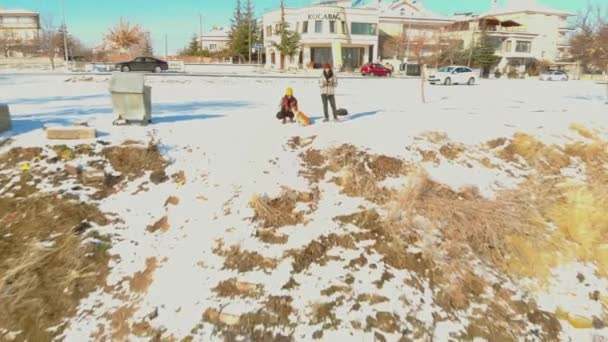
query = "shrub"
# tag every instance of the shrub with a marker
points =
(513, 74)
(497, 74)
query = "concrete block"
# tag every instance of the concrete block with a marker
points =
(71, 132)
(5, 118)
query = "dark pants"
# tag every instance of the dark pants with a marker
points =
(332, 101)
(282, 115)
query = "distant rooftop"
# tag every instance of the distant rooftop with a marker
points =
(217, 31)
(16, 11)
(516, 6)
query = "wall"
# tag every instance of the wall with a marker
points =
(39, 63)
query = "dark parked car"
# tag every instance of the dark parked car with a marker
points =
(376, 69)
(149, 64)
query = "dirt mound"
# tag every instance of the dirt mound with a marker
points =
(45, 268)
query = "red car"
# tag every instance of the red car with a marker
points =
(375, 69)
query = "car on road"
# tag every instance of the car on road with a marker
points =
(453, 75)
(375, 69)
(149, 64)
(554, 75)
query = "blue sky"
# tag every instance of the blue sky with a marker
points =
(178, 19)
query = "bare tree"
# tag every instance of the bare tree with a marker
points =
(50, 40)
(9, 42)
(418, 48)
(126, 37)
(589, 45)
(395, 46)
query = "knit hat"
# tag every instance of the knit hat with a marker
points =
(289, 92)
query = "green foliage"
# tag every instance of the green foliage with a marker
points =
(484, 53)
(289, 41)
(244, 29)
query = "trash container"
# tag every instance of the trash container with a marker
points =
(5, 118)
(131, 98)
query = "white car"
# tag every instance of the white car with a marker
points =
(453, 75)
(557, 75)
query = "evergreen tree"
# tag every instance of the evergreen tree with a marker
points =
(484, 54)
(252, 26)
(239, 33)
(193, 48)
(289, 40)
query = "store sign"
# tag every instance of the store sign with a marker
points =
(326, 16)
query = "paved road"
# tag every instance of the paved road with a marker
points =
(165, 74)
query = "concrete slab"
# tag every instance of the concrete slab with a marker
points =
(71, 133)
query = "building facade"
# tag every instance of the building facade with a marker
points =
(349, 33)
(19, 29)
(522, 32)
(216, 39)
(331, 32)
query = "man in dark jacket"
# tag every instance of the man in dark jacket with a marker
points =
(289, 104)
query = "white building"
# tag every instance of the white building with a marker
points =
(349, 33)
(523, 31)
(18, 28)
(332, 32)
(216, 39)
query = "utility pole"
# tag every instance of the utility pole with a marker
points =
(249, 24)
(200, 37)
(65, 32)
(166, 47)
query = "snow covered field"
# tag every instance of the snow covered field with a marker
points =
(221, 132)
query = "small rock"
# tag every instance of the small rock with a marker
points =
(72, 170)
(103, 143)
(595, 295)
(93, 176)
(158, 177)
(152, 315)
(580, 277)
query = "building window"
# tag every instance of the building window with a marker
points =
(305, 27)
(318, 26)
(212, 47)
(523, 46)
(332, 26)
(343, 27)
(269, 31)
(298, 26)
(363, 29)
(508, 46)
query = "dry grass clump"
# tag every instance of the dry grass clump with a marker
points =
(244, 261)
(133, 161)
(260, 325)
(41, 284)
(18, 155)
(276, 212)
(543, 158)
(435, 137)
(467, 218)
(234, 288)
(316, 251)
(451, 151)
